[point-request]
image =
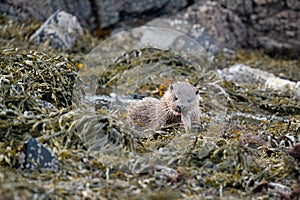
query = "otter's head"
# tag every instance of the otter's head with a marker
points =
(184, 97)
(185, 100)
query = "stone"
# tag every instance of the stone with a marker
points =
(34, 156)
(235, 24)
(61, 30)
(270, 25)
(195, 31)
(297, 90)
(279, 84)
(93, 14)
(243, 74)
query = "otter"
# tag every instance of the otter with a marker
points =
(180, 103)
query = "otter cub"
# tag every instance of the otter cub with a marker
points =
(180, 103)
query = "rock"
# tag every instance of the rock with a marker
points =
(34, 155)
(92, 14)
(22, 10)
(279, 84)
(283, 86)
(242, 74)
(235, 24)
(61, 30)
(270, 25)
(195, 31)
(297, 90)
(222, 24)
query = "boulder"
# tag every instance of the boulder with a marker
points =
(271, 25)
(60, 30)
(92, 14)
(242, 74)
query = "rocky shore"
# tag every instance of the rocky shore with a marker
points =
(269, 25)
(68, 74)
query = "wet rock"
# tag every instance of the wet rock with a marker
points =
(34, 155)
(61, 31)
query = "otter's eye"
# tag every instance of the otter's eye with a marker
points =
(189, 101)
(175, 98)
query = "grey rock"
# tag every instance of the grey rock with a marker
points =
(61, 31)
(280, 84)
(195, 31)
(92, 14)
(111, 12)
(272, 25)
(22, 10)
(243, 74)
(192, 22)
(35, 156)
(297, 90)
(266, 24)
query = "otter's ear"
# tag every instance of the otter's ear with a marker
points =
(172, 87)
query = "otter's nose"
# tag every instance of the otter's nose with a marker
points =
(178, 108)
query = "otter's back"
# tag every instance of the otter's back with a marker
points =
(143, 112)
